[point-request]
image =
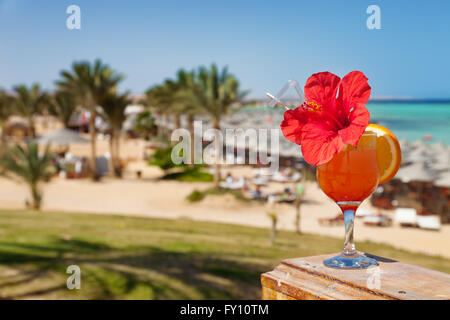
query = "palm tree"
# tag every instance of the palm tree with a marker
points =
(175, 97)
(158, 107)
(160, 98)
(28, 166)
(144, 124)
(113, 106)
(30, 102)
(89, 83)
(62, 105)
(167, 98)
(216, 92)
(5, 112)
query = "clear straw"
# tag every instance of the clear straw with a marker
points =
(277, 99)
(274, 101)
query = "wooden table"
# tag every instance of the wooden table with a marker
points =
(308, 279)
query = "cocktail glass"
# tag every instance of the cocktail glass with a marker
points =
(349, 178)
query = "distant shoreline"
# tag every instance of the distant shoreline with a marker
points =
(265, 101)
(437, 101)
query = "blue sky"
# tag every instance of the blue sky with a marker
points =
(264, 43)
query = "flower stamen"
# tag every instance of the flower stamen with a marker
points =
(312, 106)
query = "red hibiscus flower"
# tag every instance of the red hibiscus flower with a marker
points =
(326, 122)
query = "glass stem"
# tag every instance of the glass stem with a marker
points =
(349, 221)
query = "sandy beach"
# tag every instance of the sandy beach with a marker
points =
(151, 197)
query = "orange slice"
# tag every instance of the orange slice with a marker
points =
(389, 154)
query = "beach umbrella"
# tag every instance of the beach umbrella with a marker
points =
(415, 172)
(442, 161)
(61, 137)
(419, 154)
(405, 144)
(418, 144)
(439, 147)
(443, 180)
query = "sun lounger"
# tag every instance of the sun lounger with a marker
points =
(256, 195)
(429, 222)
(260, 181)
(263, 172)
(361, 213)
(279, 177)
(406, 216)
(287, 198)
(374, 220)
(233, 185)
(296, 177)
(329, 222)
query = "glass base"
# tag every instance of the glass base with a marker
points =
(354, 261)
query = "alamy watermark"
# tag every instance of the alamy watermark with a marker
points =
(255, 141)
(374, 279)
(374, 20)
(74, 20)
(74, 280)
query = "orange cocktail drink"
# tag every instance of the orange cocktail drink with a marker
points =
(349, 178)
(352, 174)
(352, 156)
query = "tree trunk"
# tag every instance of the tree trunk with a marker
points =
(191, 133)
(36, 197)
(3, 140)
(273, 231)
(216, 125)
(176, 125)
(66, 123)
(164, 125)
(158, 127)
(118, 165)
(112, 165)
(298, 203)
(93, 135)
(177, 121)
(31, 128)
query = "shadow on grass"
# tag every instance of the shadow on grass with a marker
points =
(139, 272)
(189, 175)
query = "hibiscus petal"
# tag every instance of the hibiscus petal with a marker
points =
(354, 89)
(319, 144)
(292, 125)
(359, 119)
(321, 88)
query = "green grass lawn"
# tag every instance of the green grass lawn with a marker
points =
(189, 175)
(138, 258)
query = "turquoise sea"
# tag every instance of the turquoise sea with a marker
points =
(413, 120)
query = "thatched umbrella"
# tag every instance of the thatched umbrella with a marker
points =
(405, 145)
(442, 161)
(439, 147)
(420, 154)
(415, 172)
(443, 181)
(418, 144)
